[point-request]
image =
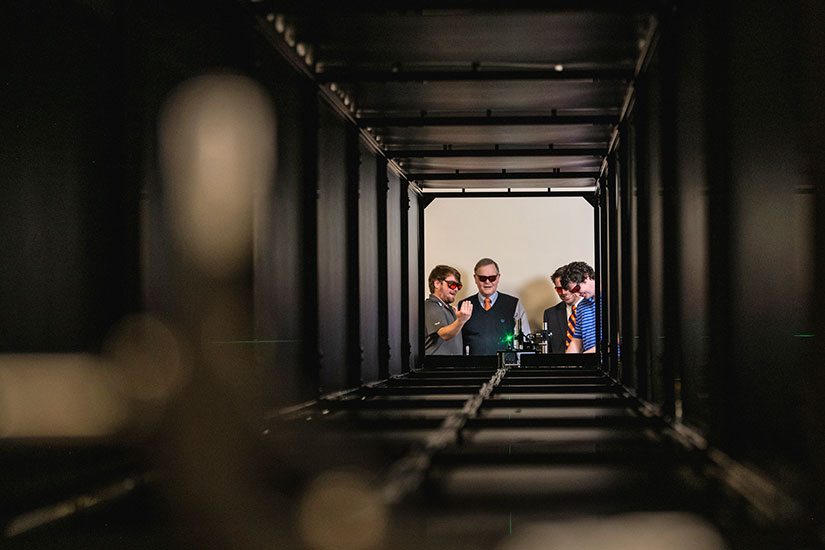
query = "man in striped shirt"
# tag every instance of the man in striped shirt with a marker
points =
(579, 278)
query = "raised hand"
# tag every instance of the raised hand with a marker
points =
(463, 315)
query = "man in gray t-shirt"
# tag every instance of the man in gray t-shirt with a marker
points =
(443, 322)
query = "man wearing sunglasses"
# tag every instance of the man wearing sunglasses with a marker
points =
(495, 312)
(442, 321)
(579, 278)
(558, 316)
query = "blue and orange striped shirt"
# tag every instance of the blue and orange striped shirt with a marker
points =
(585, 327)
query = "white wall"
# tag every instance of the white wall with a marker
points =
(528, 238)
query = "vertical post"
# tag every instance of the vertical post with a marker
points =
(613, 307)
(603, 274)
(382, 189)
(627, 338)
(671, 363)
(404, 211)
(354, 350)
(643, 269)
(720, 200)
(309, 258)
(422, 276)
(814, 69)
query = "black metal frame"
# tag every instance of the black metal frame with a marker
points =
(355, 350)
(354, 75)
(459, 176)
(497, 152)
(430, 197)
(490, 120)
(309, 258)
(422, 204)
(614, 260)
(600, 232)
(404, 210)
(671, 361)
(381, 194)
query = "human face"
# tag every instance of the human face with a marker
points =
(447, 289)
(587, 288)
(566, 296)
(488, 286)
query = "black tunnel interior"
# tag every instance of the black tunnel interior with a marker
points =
(211, 298)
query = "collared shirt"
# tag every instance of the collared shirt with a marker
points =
(437, 315)
(586, 323)
(520, 313)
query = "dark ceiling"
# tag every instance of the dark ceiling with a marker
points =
(486, 98)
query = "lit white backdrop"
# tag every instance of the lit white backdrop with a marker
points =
(528, 238)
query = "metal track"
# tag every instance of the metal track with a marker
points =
(484, 453)
(406, 474)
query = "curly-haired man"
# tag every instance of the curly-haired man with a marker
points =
(579, 278)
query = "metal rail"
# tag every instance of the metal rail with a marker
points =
(448, 176)
(497, 152)
(406, 474)
(498, 120)
(378, 76)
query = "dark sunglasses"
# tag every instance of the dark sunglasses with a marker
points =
(485, 278)
(574, 289)
(453, 285)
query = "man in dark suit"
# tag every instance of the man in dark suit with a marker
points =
(556, 317)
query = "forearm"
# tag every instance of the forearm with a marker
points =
(451, 331)
(575, 346)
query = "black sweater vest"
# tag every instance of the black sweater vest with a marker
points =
(486, 331)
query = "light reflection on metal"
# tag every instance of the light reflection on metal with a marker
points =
(289, 35)
(80, 503)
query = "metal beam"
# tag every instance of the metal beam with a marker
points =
(430, 197)
(389, 75)
(501, 176)
(267, 30)
(367, 8)
(407, 473)
(503, 120)
(457, 153)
